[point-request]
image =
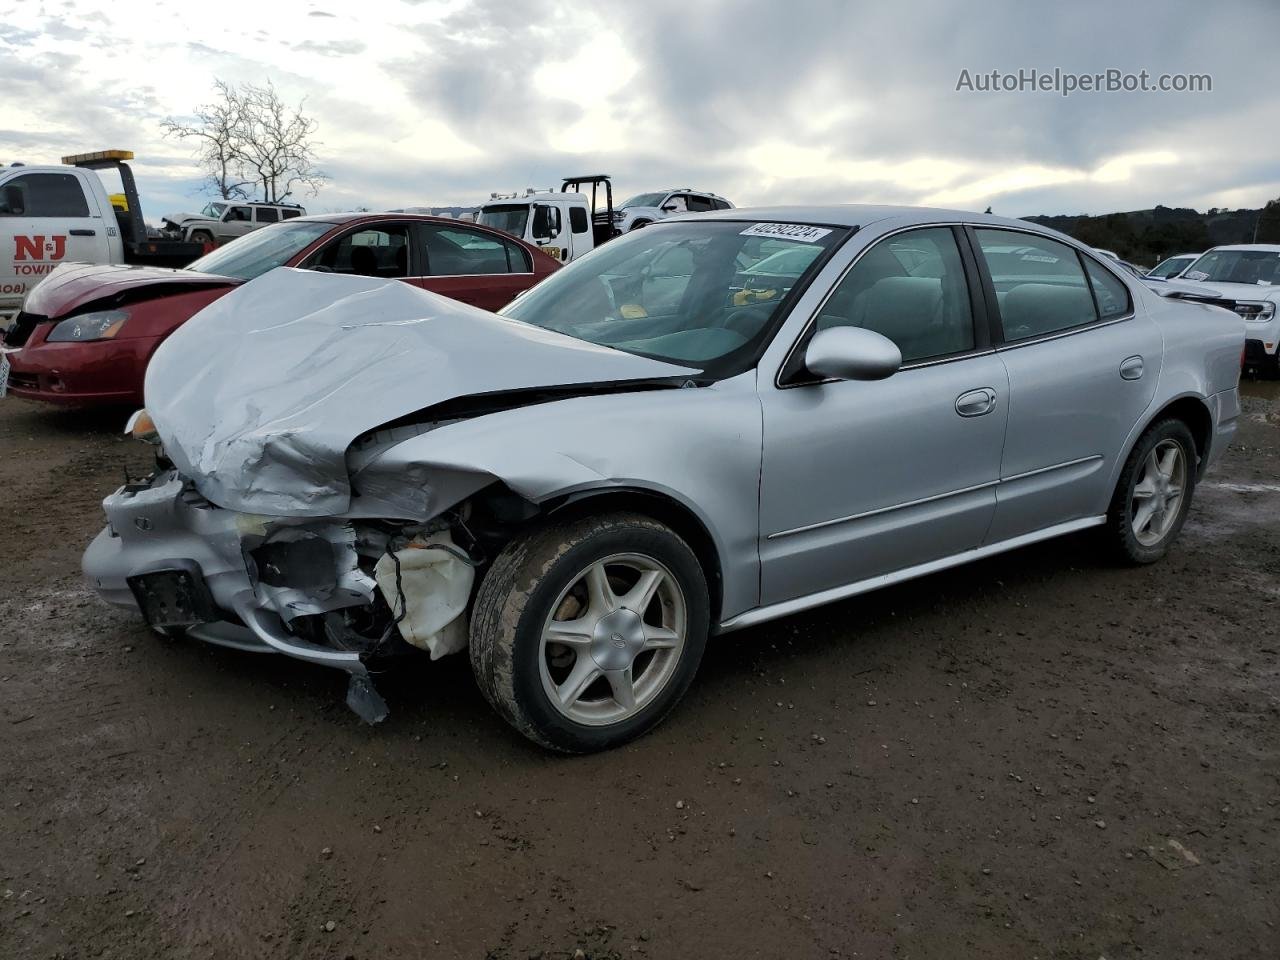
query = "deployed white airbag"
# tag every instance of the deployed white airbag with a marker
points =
(435, 585)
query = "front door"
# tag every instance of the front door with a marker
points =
(861, 479)
(47, 219)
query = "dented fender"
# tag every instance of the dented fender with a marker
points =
(710, 466)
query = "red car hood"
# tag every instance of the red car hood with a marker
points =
(74, 285)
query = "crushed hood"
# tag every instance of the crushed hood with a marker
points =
(259, 395)
(70, 286)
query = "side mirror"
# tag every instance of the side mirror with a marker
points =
(852, 353)
(670, 207)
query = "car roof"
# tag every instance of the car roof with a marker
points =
(378, 217)
(858, 215)
(1255, 247)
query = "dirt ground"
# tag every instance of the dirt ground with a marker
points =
(1039, 755)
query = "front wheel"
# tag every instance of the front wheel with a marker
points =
(1154, 493)
(584, 636)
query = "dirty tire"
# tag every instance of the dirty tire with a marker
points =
(514, 601)
(201, 236)
(640, 223)
(1120, 539)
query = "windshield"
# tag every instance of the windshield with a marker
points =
(1171, 267)
(1237, 266)
(255, 253)
(507, 217)
(213, 210)
(689, 293)
(643, 200)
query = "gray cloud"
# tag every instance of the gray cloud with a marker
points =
(331, 48)
(766, 102)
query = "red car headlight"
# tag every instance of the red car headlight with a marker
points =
(99, 325)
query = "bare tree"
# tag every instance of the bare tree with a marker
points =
(215, 127)
(251, 138)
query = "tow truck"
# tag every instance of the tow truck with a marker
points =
(55, 214)
(564, 223)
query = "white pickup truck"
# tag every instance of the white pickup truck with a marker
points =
(567, 223)
(59, 214)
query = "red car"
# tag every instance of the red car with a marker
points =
(86, 333)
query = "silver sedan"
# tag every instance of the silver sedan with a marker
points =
(707, 424)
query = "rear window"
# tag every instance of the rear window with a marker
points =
(44, 195)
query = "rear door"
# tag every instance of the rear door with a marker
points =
(474, 266)
(47, 219)
(1082, 370)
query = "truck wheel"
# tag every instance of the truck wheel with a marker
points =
(585, 635)
(1154, 493)
(202, 236)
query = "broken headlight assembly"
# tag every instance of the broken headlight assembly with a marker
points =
(98, 325)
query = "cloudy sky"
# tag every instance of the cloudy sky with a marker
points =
(433, 102)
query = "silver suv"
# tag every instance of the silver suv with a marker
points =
(223, 220)
(644, 208)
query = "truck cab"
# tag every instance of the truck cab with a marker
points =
(62, 214)
(556, 222)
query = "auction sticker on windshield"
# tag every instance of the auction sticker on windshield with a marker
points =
(786, 231)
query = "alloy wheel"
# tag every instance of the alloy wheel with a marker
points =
(613, 639)
(1157, 496)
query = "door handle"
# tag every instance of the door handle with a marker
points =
(82, 233)
(975, 403)
(1131, 369)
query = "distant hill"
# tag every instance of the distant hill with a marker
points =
(1148, 236)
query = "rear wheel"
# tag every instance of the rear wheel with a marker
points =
(584, 636)
(1154, 493)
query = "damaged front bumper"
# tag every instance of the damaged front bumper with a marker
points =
(305, 588)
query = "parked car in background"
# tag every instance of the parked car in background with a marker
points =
(646, 208)
(87, 333)
(1171, 267)
(224, 220)
(1245, 278)
(632, 457)
(58, 214)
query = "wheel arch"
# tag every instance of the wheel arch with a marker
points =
(1193, 410)
(661, 506)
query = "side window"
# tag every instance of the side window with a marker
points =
(244, 214)
(266, 214)
(1039, 283)
(381, 251)
(1111, 294)
(44, 195)
(720, 204)
(290, 214)
(679, 201)
(699, 204)
(910, 287)
(578, 220)
(456, 251)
